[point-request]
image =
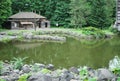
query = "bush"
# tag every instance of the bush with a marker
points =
(114, 30)
(93, 31)
(23, 77)
(114, 65)
(18, 62)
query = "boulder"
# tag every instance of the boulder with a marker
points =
(41, 66)
(91, 72)
(7, 69)
(104, 74)
(26, 68)
(34, 77)
(74, 70)
(28, 35)
(66, 76)
(40, 77)
(73, 80)
(14, 77)
(3, 33)
(56, 79)
(16, 71)
(50, 66)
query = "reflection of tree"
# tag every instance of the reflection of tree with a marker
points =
(93, 53)
(92, 43)
(115, 41)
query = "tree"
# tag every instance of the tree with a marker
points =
(77, 13)
(80, 10)
(21, 5)
(61, 13)
(5, 10)
(101, 14)
(55, 10)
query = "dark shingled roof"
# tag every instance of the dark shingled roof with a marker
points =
(26, 15)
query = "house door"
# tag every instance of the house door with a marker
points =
(46, 24)
(39, 24)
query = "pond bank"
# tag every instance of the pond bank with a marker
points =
(16, 70)
(41, 72)
(49, 35)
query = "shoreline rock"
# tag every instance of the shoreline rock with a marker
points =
(49, 35)
(41, 72)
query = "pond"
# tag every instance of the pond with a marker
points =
(93, 53)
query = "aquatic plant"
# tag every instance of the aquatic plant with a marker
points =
(83, 72)
(114, 65)
(18, 62)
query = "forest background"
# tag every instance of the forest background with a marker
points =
(66, 13)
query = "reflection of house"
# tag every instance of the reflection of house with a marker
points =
(28, 20)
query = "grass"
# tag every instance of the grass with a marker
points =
(53, 29)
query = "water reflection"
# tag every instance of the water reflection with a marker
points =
(71, 53)
(27, 45)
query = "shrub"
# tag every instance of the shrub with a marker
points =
(93, 31)
(6, 40)
(83, 72)
(114, 30)
(23, 77)
(18, 62)
(114, 65)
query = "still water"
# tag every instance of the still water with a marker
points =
(93, 53)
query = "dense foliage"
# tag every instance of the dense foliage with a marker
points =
(80, 11)
(93, 31)
(57, 11)
(5, 10)
(101, 13)
(96, 13)
(65, 13)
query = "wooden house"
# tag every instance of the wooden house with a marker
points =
(25, 20)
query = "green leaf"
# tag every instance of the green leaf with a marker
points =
(118, 79)
(92, 79)
(23, 77)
